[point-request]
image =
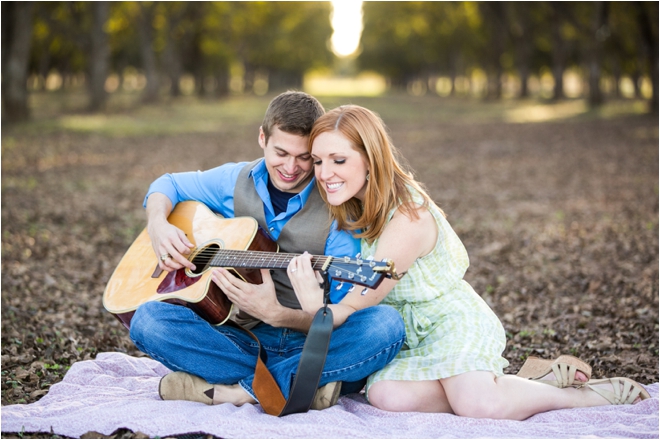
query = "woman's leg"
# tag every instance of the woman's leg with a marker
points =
(481, 394)
(409, 395)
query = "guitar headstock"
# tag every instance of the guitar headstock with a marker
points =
(368, 273)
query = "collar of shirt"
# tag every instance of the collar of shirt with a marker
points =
(260, 176)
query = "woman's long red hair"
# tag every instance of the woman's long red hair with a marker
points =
(389, 181)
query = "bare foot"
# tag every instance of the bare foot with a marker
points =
(234, 394)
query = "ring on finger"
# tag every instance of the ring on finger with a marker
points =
(164, 257)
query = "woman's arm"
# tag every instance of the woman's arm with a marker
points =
(403, 241)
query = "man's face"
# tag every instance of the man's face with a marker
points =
(288, 162)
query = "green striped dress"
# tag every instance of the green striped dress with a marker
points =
(449, 328)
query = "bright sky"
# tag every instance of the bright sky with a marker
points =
(347, 26)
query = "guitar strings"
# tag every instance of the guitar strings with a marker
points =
(277, 259)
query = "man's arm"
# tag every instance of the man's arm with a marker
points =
(213, 188)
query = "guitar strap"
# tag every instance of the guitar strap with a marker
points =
(310, 367)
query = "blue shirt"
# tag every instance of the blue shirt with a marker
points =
(215, 189)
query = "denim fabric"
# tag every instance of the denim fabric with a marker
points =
(182, 341)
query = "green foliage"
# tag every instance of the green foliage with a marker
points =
(404, 40)
(199, 37)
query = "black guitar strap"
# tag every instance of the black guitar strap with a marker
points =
(310, 367)
(312, 358)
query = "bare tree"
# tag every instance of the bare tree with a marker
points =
(16, 40)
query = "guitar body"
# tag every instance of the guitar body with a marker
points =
(137, 279)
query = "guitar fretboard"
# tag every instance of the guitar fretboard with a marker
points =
(259, 260)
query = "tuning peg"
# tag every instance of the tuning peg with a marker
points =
(358, 255)
(364, 291)
(339, 286)
(350, 289)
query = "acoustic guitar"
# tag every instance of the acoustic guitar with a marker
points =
(237, 244)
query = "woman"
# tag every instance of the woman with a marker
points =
(452, 361)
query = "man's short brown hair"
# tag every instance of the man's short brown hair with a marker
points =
(292, 112)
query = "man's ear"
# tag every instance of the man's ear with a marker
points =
(262, 138)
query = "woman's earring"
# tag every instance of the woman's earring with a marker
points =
(368, 175)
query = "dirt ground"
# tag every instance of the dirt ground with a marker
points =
(560, 220)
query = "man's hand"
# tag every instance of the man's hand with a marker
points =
(170, 245)
(169, 242)
(258, 300)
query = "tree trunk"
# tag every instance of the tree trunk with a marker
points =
(15, 58)
(518, 19)
(173, 50)
(498, 35)
(99, 56)
(145, 33)
(172, 62)
(635, 77)
(222, 83)
(650, 43)
(598, 35)
(616, 78)
(280, 80)
(452, 78)
(558, 53)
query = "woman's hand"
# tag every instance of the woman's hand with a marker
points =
(305, 282)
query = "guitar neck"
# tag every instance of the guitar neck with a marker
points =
(261, 260)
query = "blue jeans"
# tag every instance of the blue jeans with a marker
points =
(182, 341)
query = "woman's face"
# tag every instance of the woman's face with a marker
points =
(341, 170)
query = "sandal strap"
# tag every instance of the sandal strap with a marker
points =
(619, 395)
(564, 374)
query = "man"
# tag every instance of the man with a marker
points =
(215, 364)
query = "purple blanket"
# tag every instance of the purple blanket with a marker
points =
(118, 391)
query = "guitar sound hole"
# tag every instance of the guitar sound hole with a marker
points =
(204, 257)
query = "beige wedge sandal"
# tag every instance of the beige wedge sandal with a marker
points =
(625, 391)
(564, 369)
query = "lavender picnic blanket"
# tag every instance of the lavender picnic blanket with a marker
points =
(118, 391)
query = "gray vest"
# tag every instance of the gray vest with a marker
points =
(307, 230)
